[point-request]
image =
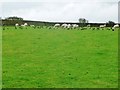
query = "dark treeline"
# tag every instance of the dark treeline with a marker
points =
(42, 23)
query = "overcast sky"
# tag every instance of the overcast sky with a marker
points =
(61, 10)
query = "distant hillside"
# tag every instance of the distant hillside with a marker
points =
(43, 23)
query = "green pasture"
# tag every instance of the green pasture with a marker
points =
(59, 58)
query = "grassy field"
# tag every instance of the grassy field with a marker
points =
(43, 58)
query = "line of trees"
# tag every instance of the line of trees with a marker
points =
(12, 20)
(84, 22)
(9, 21)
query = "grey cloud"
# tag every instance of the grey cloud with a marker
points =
(63, 10)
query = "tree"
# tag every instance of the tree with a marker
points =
(110, 23)
(14, 18)
(83, 20)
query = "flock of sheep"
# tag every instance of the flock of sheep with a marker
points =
(21, 26)
(67, 26)
(76, 26)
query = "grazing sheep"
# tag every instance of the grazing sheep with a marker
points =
(68, 26)
(82, 28)
(114, 27)
(88, 26)
(102, 26)
(50, 27)
(33, 26)
(22, 26)
(64, 25)
(37, 27)
(16, 25)
(56, 25)
(74, 26)
(25, 24)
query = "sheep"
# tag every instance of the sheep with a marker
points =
(74, 26)
(25, 24)
(33, 26)
(102, 26)
(77, 25)
(89, 26)
(37, 27)
(49, 27)
(114, 27)
(64, 25)
(56, 25)
(16, 25)
(68, 26)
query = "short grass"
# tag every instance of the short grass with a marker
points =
(46, 58)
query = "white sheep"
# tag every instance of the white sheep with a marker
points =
(64, 25)
(102, 26)
(16, 25)
(56, 25)
(32, 26)
(75, 26)
(115, 26)
(25, 24)
(68, 26)
(22, 26)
